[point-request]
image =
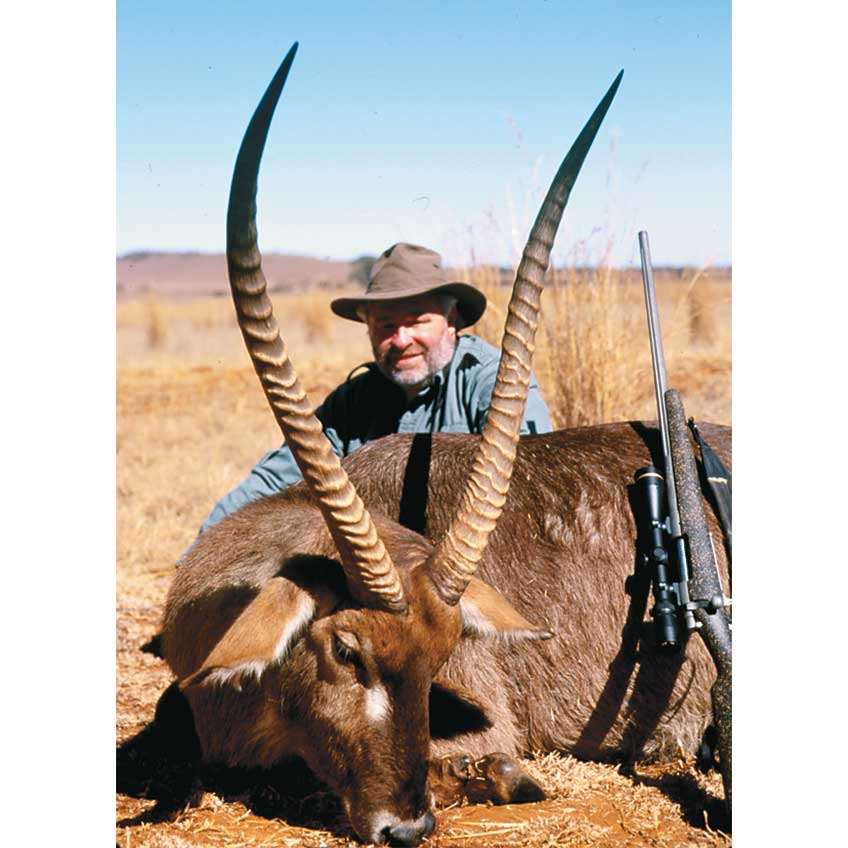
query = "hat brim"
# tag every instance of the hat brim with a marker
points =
(470, 302)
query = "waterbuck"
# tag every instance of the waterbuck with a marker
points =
(308, 625)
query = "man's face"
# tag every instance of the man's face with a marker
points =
(412, 339)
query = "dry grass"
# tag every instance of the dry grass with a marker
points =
(593, 357)
(166, 334)
(319, 323)
(191, 421)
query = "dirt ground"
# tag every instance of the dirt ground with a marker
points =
(191, 422)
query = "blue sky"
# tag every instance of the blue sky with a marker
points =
(437, 123)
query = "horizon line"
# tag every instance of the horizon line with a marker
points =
(141, 254)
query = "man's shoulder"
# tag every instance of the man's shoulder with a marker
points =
(474, 352)
(474, 368)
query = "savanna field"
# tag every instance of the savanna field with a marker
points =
(191, 421)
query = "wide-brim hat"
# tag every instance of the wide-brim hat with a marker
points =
(407, 270)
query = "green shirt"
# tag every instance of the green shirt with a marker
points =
(369, 405)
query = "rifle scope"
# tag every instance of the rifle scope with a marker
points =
(651, 487)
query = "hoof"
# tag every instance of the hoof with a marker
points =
(501, 780)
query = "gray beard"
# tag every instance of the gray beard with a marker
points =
(436, 358)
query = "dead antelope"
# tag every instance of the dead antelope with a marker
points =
(305, 625)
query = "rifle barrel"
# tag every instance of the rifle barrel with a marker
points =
(660, 377)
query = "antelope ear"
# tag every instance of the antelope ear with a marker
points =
(486, 613)
(265, 630)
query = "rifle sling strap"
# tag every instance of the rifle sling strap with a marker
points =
(716, 485)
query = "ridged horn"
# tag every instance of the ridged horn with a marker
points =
(370, 573)
(457, 556)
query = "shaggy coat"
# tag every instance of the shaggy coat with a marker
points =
(564, 555)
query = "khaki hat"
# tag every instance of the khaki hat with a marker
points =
(407, 270)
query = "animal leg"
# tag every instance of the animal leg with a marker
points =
(496, 778)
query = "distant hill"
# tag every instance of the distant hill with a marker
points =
(202, 274)
(190, 275)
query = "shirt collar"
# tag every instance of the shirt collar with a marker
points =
(430, 391)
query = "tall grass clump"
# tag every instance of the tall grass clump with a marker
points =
(593, 347)
(312, 311)
(155, 323)
(592, 356)
(586, 347)
(703, 317)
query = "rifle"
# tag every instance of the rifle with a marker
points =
(658, 489)
(682, 558)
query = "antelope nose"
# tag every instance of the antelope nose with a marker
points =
(410, 833)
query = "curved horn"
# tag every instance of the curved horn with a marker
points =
(455, 560)
(370, 573)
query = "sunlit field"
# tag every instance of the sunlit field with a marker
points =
(192, 419)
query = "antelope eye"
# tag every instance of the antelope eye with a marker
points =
(344, 651)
